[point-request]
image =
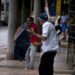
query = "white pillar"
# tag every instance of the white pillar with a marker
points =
(25, 11)
(23, 16)
(12, 24)
(5, 13)
(37, 8)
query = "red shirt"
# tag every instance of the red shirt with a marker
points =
(34, 38)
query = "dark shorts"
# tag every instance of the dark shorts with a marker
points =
(63, 27)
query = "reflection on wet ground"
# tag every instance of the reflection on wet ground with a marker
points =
(3, 38)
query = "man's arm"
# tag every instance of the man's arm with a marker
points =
(38, 35)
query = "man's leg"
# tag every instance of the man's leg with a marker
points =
(46, 63)
(32, 56)
(27, 57)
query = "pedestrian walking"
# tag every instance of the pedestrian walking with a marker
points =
(49, 45)
(34, 42)
(64, 24)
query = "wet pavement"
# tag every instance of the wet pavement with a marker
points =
(12, 67)
(3, 39)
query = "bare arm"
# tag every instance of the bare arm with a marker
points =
(38, 35)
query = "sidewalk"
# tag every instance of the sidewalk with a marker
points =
(12, 67)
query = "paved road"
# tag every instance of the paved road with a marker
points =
(8, 67)
(3, 39)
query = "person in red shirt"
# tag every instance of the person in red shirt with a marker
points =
(34, 42)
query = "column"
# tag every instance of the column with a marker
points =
(32, 8)
(13, 22)
(5, 12)
(37, 11)
(37, 8)
(25, 11)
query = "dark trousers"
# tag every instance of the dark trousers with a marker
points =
(46, 63)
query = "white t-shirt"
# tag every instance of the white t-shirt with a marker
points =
(51, 43)
(64, 18)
